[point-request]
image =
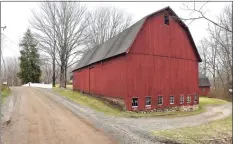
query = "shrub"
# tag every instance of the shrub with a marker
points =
(220, 93)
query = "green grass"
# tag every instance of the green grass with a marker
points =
(198, 134)
(87, 100)
(204, 101)
(5, 92)
(102, 107)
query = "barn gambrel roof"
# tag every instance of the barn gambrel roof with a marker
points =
(123, 41)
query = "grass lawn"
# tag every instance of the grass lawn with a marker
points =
(102, 107)
(205, 101)
(68, 86)
(86, 100)
(5, 92)
(199, 134)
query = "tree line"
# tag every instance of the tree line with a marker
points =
(66, 30)
(216, 48)
(216, 51)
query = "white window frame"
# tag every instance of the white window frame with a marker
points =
(188, 99)
(172, 96)
(146, 101)
(182, 98)
(161, 100)
(137, 102)
(195, 98)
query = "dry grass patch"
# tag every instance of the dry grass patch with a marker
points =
(5, 92)
(218, 130)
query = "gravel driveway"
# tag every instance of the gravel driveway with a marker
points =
(137, 130)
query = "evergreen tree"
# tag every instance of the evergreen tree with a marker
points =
(29, 59)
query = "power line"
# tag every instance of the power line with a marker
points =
(13, 50)
(10, 39)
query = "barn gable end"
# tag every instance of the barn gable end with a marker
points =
(159, 39)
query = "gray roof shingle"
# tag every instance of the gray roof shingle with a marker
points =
(203, 80)
(112, 47)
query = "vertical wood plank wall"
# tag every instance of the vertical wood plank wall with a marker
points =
(161, 61)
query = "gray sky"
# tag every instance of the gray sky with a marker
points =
(15, 16)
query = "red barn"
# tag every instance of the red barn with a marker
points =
(152, 64)
(204, 85)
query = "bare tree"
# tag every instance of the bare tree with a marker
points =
(203, 49)
(2, 41)
(63, 23)
(44, 24)
(11, 68)
(201, 14)
(216, 50)
(46, 73)
(46, 69)
(105, 23)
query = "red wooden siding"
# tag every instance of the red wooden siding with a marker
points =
(81, 80)
(106, 78)
(161, 61)
(205, 92)
(157, 38)
(153, 76)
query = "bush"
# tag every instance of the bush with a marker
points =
(5, 91)
(220, 93)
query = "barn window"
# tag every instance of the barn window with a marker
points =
(203, 89)
(188, 99)
(195, 98)
(181, 99)
(172, 99)
(160, 100)
(148, 101)
(134, 102)
(166, 19)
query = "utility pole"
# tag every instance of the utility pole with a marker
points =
(1, 70)
(0, 74)
(1, 52)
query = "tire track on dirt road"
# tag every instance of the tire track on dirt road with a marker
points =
(37, 119)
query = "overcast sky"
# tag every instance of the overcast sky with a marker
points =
(15, 16)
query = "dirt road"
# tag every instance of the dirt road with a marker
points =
(41, 116)
(38, 119)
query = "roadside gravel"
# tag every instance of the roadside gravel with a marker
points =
(137, 130)
(7, 109)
